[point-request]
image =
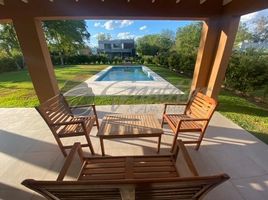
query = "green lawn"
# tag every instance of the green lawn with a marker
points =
(17, 91)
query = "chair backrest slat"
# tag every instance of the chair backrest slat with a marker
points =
(55, 110)
(179, 188)
(201, 106)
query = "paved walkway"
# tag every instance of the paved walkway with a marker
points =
(28, 150)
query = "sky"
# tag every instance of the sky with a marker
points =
(128, 29)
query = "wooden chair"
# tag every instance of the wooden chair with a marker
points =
(128, 178)
(63, 123)
(195, 118)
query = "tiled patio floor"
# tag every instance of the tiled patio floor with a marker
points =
(28, 150)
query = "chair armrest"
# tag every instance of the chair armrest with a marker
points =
(69, 159)
(181, 147)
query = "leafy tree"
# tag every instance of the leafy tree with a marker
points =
(187, 44)
(9, 43)
(103, 36)
(242, 34)
(65, 37)
(174, 61)
(154, 44)
(261, 31)
(248, 70)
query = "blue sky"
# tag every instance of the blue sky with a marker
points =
(122, 29)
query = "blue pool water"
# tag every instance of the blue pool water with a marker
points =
(122, 73)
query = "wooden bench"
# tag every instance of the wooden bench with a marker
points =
(195, 118)
(63, 123)
(128, 178)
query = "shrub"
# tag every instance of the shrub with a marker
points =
(247, 71)
(147, 59)
(161, 59)
(7, 64)
(174, 61)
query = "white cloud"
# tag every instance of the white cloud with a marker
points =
(125, 23)
(143, 28)
(125, 35)
(97, 24)
(109, 25)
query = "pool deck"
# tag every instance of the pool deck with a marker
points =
(91, 87)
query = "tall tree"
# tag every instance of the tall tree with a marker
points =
(103, 36)
(243, 34)
(156, 43)
(65, 37)
(261, 31)
(187, 44)
(9, 42)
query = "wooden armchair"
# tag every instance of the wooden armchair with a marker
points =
(63, 123)
(195, 118)
(128, 178)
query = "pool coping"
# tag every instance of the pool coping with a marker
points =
(155, 76)
(91, 87)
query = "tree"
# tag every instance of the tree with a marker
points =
(187, 44)
(65, 37)
(261, 31)
(103, 36)
(9, 43)
(155, 44)
(242, 34)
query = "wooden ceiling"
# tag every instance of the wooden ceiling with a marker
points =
(134, 9)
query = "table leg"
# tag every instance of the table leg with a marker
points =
(102, 147)
(158, 145)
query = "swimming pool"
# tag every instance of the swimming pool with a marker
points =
(126, 73)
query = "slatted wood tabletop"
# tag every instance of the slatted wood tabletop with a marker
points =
(128, 126)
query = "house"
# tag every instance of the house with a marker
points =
(254, 45)
(121, 48)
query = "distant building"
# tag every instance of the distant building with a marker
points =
(122, 48)
(253, 45)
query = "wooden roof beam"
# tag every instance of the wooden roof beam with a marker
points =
(96, 9)
(242, 7)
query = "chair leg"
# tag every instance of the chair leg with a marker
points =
(90, 144)
(163, 121)
(174, 141)
(61, 146)
(199, 140)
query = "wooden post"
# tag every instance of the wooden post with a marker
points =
(228, 32)
(34, 48)
(215, 49)
(206, 54)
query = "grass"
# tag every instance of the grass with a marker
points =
(249, 116)
(17, 91)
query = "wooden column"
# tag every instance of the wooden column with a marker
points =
(215, 49)
(229, 27)
(206, 54)
(34, 48)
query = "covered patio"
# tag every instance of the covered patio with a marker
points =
(28, 149)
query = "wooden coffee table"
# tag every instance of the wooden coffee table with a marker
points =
(129, 126)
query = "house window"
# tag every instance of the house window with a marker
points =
(107, 46)
(116, 46)
(128, 45)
